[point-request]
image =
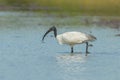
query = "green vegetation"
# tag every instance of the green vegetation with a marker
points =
(91, 7)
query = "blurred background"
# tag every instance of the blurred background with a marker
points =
(84, 7)
(24, 57)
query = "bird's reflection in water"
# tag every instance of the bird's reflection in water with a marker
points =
(71, 63)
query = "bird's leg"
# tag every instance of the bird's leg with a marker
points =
(87, 48)
(71, 49)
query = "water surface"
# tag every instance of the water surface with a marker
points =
(24, 57)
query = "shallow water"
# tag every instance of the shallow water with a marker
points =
(24, 57)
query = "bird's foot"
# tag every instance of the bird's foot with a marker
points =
(87, 53)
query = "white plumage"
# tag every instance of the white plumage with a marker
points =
(72, 38)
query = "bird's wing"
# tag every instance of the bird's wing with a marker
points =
(74, 37)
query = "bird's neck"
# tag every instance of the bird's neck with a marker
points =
(55, 32)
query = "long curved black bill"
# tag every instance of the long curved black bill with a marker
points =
(51, 29)
(46, 34)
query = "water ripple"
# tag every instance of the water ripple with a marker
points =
(71, 63)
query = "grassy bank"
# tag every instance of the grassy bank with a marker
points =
(85, 7)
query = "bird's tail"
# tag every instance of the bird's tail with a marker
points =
(91, 37)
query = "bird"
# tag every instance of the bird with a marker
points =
(71, 38)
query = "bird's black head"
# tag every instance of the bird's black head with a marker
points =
(51, 29)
